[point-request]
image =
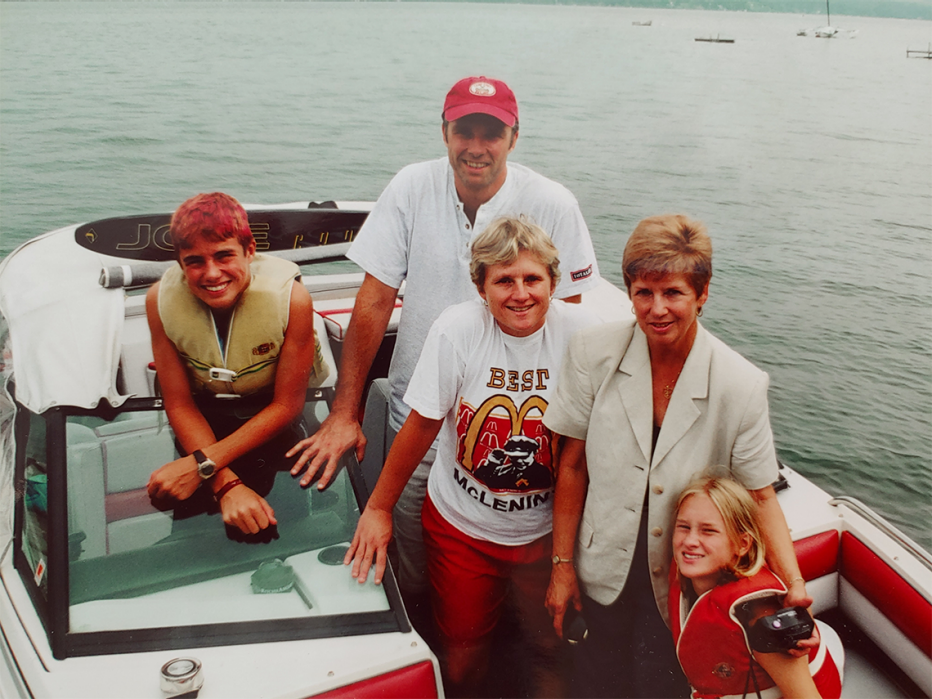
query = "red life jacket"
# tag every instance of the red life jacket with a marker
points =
(712, 645)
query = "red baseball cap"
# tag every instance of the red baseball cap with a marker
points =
(481, 96)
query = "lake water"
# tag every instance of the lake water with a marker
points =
(809, 160)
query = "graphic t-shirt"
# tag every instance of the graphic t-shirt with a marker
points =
(493, 475)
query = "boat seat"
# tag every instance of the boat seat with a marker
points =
(108, 469)
(842, 572)
(379, 433)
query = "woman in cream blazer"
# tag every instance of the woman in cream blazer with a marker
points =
(644, 408)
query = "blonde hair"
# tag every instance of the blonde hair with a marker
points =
(504, 239)
(739, 512)
(669, 244)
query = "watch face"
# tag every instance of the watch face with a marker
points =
(206, 468)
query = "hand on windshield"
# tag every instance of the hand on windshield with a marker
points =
(370, 541)
(562, 592)
(243, 508)
(178, 479)
(324, 448)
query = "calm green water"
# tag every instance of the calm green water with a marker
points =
(810, 161)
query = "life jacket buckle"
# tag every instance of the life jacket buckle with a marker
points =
(217, 374)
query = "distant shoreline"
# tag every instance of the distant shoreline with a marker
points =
(892, 9)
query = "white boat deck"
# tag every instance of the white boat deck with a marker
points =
(864, 681)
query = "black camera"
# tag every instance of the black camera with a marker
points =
(575, 629)
(781, 631)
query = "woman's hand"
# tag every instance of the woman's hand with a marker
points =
(370, 541)
(796, 595)
(562, 592)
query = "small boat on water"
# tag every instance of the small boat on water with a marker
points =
(102, 594)
(716, 40)
(643, 24)
(919, 53)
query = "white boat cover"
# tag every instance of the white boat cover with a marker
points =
(65, 329)
(64, 340)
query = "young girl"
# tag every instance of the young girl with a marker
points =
(723, 588)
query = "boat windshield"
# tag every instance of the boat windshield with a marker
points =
(137, 564)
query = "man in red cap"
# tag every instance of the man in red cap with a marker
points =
(419, 232)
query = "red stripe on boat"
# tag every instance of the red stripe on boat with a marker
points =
(896, 599)
(817, 554)
(412, 682)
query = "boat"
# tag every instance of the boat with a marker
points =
(717, 40)
(827, 31)
(919, 53)
(643, 24)
(105, 595)
(100, 596)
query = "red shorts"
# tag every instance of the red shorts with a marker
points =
(470, 579)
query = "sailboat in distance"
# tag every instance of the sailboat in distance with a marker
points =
(826, 32)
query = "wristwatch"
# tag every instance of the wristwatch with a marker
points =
(557, 560)
(205, 466)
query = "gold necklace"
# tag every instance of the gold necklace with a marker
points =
(668, 389)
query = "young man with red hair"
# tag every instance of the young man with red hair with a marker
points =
(233, 341)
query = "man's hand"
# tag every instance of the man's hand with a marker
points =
(562, 592)
(324, 448)
(243, 508)
(373, 533)
(178, 479)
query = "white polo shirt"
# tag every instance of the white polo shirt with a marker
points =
(418, 232)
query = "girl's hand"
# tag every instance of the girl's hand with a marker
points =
(803, 647)
(370, 542)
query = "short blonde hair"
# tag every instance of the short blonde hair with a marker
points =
(669, 244)
(504, 239)
(739, 512)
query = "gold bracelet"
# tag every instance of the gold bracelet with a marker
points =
(799, 578)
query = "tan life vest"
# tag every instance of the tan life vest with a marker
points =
(255, 334)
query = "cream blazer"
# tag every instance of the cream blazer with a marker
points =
(717, 422)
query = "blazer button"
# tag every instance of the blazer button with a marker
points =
(658, 489)
(657, 571)
(656, 531)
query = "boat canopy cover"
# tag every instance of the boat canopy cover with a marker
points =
(65, 329)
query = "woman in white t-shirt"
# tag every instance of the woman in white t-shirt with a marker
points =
(482, 383)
